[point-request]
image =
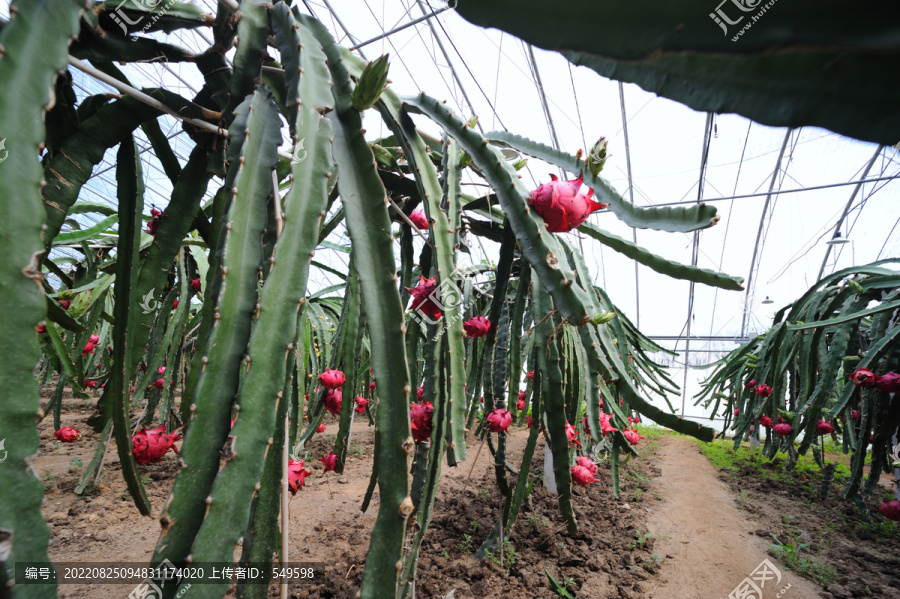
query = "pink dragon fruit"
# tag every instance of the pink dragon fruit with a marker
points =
(562, 205)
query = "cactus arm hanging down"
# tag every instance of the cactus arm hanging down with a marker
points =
(72, 166)
(223, 356)
(34, 43)
(661, 265)
(131, 203)
(554, 403)
(538, 245)
(270, 343)
(666, 218)
(515, 340)
(365, 204)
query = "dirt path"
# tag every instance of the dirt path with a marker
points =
(709, 545)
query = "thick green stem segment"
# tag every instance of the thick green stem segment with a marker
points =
(220, 367)
(554, 402)
(131, 203)
(365, 203)
(273, 334)
(537, 244)
(35, 43)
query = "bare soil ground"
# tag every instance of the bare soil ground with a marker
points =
(702, 543)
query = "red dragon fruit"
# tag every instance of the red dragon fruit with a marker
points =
(499, 420)
(582, 476)
(296, 475)
(477, 327)
(419, 219)
(562, 205)
(151, 445)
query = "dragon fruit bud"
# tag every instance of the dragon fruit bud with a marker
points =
(890, 510)
(330, 461)
(195, 284)
(296, 475)
(751, 384)
(596, 160)
(562, 205)
(151, 445)
(632, 436)
(602, 317)
(333, 401)
(854, 414)
(419, 219)
(499, 420)
(863, 377)
(67, 434)
(321, 428)
(582, 476)
(332, 379)
(586, 462)
(370, 84)
(420, 417)
(64, 304)
(174, 304)
(823, 427)
(424, 298)
(736, 412)
(531, 374)
(372, 386)
(782, 428)
(162, 370)
(477, 327)
(95, 339)
(420, 393)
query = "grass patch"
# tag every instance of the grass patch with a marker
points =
(791, 554)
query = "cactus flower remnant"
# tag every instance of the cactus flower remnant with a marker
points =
(67, 434)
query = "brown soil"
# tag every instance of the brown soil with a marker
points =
(702, 544)
(700, 529)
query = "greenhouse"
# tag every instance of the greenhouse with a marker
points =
(308, 298)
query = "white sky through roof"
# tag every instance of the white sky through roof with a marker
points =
(665, 141)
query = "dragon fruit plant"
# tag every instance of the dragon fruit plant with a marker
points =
(844, 385)
(231, 318)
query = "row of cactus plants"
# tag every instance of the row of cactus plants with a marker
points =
(209, 303)
(825, 369)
